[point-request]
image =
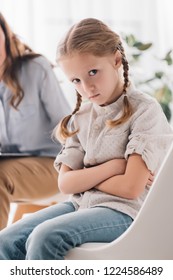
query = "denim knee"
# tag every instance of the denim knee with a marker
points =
(36, 241)
(48, 242)
(7, 245)
(43, 242)
(4, 244)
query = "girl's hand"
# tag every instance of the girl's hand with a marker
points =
(150, 179)
(76, 181)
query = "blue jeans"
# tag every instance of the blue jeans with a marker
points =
(50, 233)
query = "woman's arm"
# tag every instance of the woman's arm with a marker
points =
(55, 103)
(130, 184)
(76, 181)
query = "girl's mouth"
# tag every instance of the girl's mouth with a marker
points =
(94, 96)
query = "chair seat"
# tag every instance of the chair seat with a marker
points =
(150, 235)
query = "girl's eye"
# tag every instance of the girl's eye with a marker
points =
(93, 72)
(75, 81)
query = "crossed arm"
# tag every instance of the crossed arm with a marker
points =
(118, 177)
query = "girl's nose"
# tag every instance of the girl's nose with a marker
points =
(88, 87)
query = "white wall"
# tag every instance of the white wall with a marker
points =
(41, 23)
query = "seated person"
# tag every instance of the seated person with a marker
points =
(113, 143)
(31, 104)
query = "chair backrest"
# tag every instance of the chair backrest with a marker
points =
(150, 235)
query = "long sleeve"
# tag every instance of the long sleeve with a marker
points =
(150, 135)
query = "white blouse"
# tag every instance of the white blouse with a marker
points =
(147, 132)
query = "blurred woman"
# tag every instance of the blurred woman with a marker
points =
(31, 104)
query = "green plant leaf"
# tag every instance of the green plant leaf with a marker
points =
(136, 56)
(147, 81)
(166, 110)
(142, 47)
(163, 95)
(159, 74)
(164, 92)
(130, 40)
(168, 58)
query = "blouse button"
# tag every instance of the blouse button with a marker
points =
(96, 126)
(106, 110)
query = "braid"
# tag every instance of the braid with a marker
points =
(125, 67)
(127, 110)
(78, 104)
(61, 131)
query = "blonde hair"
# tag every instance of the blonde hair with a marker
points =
(16, 53)
(93, 36)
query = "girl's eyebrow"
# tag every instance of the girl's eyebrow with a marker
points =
(74, 78)
(89, 69)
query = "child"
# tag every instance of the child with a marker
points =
(112, 146)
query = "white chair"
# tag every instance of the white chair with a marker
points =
(150, 237)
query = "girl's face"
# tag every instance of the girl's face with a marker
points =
(95, 78)
(2, 47)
